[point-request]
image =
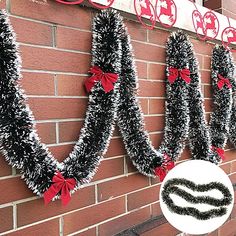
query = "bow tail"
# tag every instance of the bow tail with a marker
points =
(51, 193)
(65, 195)
(161, 172)
(107, 84)
(170, 165)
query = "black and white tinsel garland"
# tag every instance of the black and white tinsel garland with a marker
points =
(130, 118)
(219, 209)
(222, 72)
(20, 143)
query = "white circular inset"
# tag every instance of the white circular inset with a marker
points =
(200, 173)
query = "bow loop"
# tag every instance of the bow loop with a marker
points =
(107, 79)
(174, 73)
(60, 184)
(223, 81)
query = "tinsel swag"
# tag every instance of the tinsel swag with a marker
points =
(222, 123)
(113, 87)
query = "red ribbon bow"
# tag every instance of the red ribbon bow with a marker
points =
(166, 166)
(223, 81)
(60, 184)
(219, 151)
(107, 79)
(174, 73)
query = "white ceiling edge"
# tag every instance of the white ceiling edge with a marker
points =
(184, 14)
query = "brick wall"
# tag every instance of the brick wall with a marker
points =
(55, 42)
(226, 7)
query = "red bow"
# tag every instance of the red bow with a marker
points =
(60, 184)
(223, 81)
(219, 151)
(107, 79)
(167, 165)
(174, 73)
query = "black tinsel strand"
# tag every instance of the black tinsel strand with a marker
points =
(199, 136)
(171, 187)
(222, 64)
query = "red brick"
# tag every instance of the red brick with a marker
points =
(205, 77)
(38, 83)
(213, 4)
(233, 167)
(50, 227)
(73, 39)
(158, 36)
(47, 132)
(233, 178)
(143, 197)
(154, 123)
(151, 89)
(129, 165)
(226, 168)
(135, 31)
(32, 32)
(89, 232)
(93, 215)
(230, 155)
(62, 151)
(116, 148)
(6, 219)
(54, 60)
(233, 213)
(124, 222)
(214, 233)
(141, 69)
(5, 169)
(14, 189)
(207, 62)
(116, 187)
(110, 168)
(69, 85)
(33, 211)
(157, 106)
(144, 105)
(53, 12)
(156, 139)
(164, 229)
(202, 47)
(228, 229)
(208, 103)
(149, 52)
(156, 209)
(58, 108)
(200, 60)
(69, 131)
(208, 91)
(156, 72)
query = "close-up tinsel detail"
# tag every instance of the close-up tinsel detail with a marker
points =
(219, 209)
